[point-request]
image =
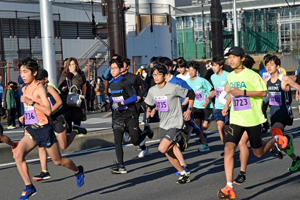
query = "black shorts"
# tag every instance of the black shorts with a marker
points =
(284, 119)
(43, 137)
(130, 125)
(235, 133)
(170, 134)
(202, 114)
(58, 122)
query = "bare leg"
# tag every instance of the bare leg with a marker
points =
(6, 140)
(65, 139)
(266, 146)
(25, 146)
(166, 147)
(43, 158)
(244, 151)
(56, 157)
(221, 130)
(229, 150)
(179, 155)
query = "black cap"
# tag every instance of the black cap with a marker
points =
(42, 73)
(237, 51)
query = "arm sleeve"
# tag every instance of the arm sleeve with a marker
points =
(222, 97)
(131, 99)
(191, 95)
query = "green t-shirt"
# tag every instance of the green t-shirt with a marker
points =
(202, 89)
(246, 111)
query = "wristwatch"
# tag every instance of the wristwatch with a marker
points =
(33, 104)
(190, 109)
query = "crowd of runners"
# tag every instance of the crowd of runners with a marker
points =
(183, 96)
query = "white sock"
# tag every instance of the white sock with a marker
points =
(183, 172)
(230, 184)
(276, 138)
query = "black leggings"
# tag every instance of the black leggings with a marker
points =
(11, 116)
(132, 126)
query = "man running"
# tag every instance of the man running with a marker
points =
(122, 99)
(280, 100)
(247, 89)
(57, 120)
(167, 99)
(37, 129)
(201, 109)
(182, 69)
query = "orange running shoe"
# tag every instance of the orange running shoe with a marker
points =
(13, 149)
(226, 193)
(282, 141)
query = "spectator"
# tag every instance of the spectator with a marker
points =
(72, 75)
(10, 106)
(100, 88)
(143, 74)
(18, 102)
(1, 89)
(90, 94)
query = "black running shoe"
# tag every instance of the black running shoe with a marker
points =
(150, 132)
(277, 151)
(81, 130)
(239, 179)
(41, 176)
(265, 128)
(183, 179)
(119, 169)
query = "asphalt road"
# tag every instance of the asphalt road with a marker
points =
(153, 177)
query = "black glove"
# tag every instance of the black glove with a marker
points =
(102, 104)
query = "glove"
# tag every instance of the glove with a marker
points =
(116, 105)
(102, 104)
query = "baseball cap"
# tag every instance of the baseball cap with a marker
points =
(42, 73)
(237, 51)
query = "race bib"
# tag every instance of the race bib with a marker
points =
(199, 95)
(117, 100)
(241, 103)
(161, 103)
(30, 115)
(218, 91)
(266, 75)
(275, 99)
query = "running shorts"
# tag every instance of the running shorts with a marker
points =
(202, 114)
(43, 137)
(170, 134)
(219, 116)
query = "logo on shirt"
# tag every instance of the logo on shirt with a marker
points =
(116, 91)
(238, 85)
(197, 87)
(223, 82)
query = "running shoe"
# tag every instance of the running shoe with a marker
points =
(81, 130)
(149, 130)
(13, 149)
(11, 127)
(197, 130)
(137, 148)
(144, 153)
(182, 142)
(27, 193)
(204, 148)
(226, 193)
(183, 179)
(41, 176)
(127, 137)
(295, 165)
(186, 169)
(277, 151)
(119, 169)
(239, 179)
(80, 176)
(290, 149)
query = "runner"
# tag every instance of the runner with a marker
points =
(38, 131)
(57, 120)
(219, 80)
(139, 87)
(280, 100)
(182, 69)
(123, 98)
(201, 109)
(247, 89)
(167, 98)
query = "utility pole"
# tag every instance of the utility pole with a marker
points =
(115, 27)
(203, 31)
(236, 38)
(48, 39)
(216, 28)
